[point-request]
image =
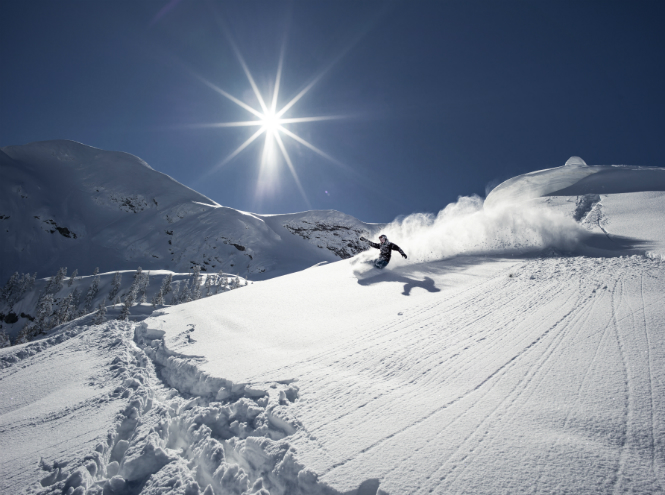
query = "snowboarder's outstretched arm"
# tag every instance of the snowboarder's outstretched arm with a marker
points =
(395, 247)
(373, 244)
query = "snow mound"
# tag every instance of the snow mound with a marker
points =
(576, 178)
(575, 161)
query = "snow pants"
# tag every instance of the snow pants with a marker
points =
(380, 263)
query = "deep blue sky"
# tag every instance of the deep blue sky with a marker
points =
(444, 97)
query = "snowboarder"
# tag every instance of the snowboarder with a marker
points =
(386, 247)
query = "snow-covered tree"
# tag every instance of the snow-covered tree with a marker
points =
(17, 286)
(96, 272)
(185, 295)
(56, 283)
(74, 311)
(64, 312)
(44, 309)
(175, 289)
(72, 277)
(124, 312)
(144, 282)
(116, 301)
(208, 285)
(27, 333)
(76, 298)
(99, 315)
(30, 282)
(10, 286)
(115, 286)
(158, 300)
(91, 294)
(129, 300)
(196, 283)
(4, 339)
(166, 284)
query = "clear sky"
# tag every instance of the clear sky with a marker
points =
(432, 99)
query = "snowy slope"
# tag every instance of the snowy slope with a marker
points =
(66, 204)
(520, 349)
(490, 376)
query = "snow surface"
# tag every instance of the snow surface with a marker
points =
(519, 349)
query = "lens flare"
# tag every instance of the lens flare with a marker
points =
(270, 120)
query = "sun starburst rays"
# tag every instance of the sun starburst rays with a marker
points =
(271, 122)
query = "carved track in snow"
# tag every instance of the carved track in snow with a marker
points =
(513, 380)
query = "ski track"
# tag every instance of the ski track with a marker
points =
(510, 400)
(535, 370)
(543, 347)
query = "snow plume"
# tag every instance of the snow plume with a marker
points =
(465, 227)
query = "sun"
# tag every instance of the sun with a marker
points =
(270, 121)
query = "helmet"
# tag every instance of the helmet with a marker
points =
(384, 237)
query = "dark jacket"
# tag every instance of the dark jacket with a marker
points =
(386, 249)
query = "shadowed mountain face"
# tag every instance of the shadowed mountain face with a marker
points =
(66, 204)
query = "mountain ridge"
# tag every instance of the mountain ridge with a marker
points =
(68, 204)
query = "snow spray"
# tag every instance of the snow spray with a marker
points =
(466, 228)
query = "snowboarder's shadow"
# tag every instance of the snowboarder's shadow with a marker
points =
(409, 283)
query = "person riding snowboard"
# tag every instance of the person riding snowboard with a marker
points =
(386, 247)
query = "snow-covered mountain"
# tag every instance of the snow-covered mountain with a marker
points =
(519, 349)
(66, 204)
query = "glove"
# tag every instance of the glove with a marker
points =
(362, 238)
(403, 255)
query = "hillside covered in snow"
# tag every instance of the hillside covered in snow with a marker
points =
(64, 204)
(519, 349)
